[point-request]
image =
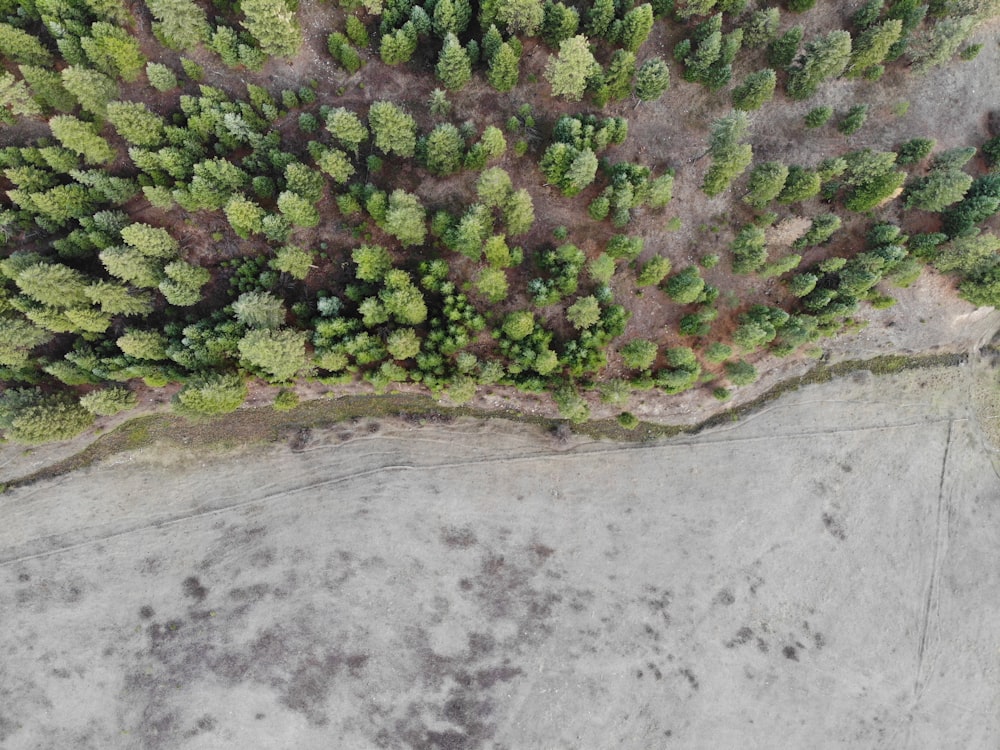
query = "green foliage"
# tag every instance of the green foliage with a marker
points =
(824, 58)
(871, 178)
(686, 286)
(298, 210)
(654, 271)
(212, 394)
(756, 89)
(729, 157)
(942, 187)
(274, 25)
(278, 354)
(372, 261)
(639, 354)
(822, 228)
(395, 131)
(817, 117)
(89, 87)
(405, 218)
(584, 313)
(31, 417)
(854, 119)
(800, 184)
(519, 16)
(766, 182)
(492, 284)
(749, 250)
(135, 123)
(454, 68)
(180, 24)
(109, 401)
(635, 27)
(782, 51)
(518, 325)
(761, 27)
(871, 47)
(741, 372)
(570, 71)
(503, 70)
(652, 80)
(444, 149)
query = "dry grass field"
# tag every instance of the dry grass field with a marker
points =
(822, 574)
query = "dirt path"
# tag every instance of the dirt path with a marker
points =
(823, 571)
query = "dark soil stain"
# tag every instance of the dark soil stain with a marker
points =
(725, 597)
(146, 611)
(834, 526)
(458, 538)
(790, 652)
(690, 677)
(743, 636)
(193, 589)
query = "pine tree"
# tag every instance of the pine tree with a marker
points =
(298, 210)
(600, 17)
(160, 77)
(406, 218)
(395, 131)
(454, 69)
(765, 183)
(652, 79)
(274, 25)
(135, 123)
(398, 47)
(47, 87)
(519, 213)
(22, 47)
(92, 89)
(570, 71)
(244, 216)
(559, 22)
(444, 149)
(347, 128)
(872, 46)
(824, 58)
(756, 89)
(15, 99)
(113, 51)
(635, 27)
(503, 70)
(520, 16)
(180, 24)
(81, 138)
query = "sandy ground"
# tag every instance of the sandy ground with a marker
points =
(823, 574)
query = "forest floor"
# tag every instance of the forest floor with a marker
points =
(823, 572)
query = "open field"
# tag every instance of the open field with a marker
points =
(822, 574)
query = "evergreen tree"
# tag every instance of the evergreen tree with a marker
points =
(519, 213)
(81, 138)
(824, 58)
(22, 47)
(347, 128)
(570, 71)
(652, 79)
(298, 210)
(398, 46)
(113, 51)
(136, 124)
(47, 87)
(92, 89)
(444, 149)
(244, 216)
(872, 46)
(406, 218)
(520, 16)
(211, 394)
(395, 131)
(503, 68)
(635, 27)
(600, 17)
(765, 183)
(274, 25)
(180, 24)
(454, 69)
(160, 77)
(559, 22)
(756, 89)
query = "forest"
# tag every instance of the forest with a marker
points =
(202, 200)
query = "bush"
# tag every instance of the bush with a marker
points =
(110, 401)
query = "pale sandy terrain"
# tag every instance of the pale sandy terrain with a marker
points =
(824, 574)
